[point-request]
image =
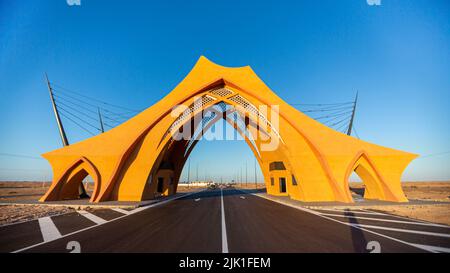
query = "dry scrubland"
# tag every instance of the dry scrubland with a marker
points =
(429, 191)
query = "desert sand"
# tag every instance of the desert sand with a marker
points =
(429, 191)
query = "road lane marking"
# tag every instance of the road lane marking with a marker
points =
(48, 229)
(401, 217)
(352, 211)
(92, 217)
(434, 248)
(30, 220)
(115, 219)
(126, 212)
(196, 200)
(385, 220)
(224, 228)
(347, 224)
(365, 211)
(242, 197)
(407, 231)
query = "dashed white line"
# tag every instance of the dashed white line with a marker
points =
(347, 224)
(242, 197)
(224, 228)
(433, 248)
(48, 229)
(92, 217)
(385, 220)
(352, 211)
(406, 230)
(196, 200)
(126, 212)
(401, 217)
(113, 220)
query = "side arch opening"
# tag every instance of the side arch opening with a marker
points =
(67, 187)
(370, 186)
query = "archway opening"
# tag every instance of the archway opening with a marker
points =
(357, 187)
(224, 161)
(227, 154)
(71, 188)
(365, 183)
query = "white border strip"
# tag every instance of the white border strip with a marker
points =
(224, 227)
(115, 219)
(92, 217)
(48, 229)
(385, 220)
(119, 210)
(343, 210)
(406, 231)
(423, 247)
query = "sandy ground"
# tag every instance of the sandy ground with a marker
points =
(188, 189)
(430, 191)
(19, 213)
(431, 213)
(250, 185)
(17, 191)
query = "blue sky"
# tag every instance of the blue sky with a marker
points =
(132, 53)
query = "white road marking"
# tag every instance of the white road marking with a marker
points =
(401, 217)
(242, 197)
(126, 212)
(48, 229)
(115, 219)
(386, 220)
(406, 230)
(196, 200)
(26, 221)
(224, 228)
(434, 248)
(347, 224)
(92, 217)
(352, 211)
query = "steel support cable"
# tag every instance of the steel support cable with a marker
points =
(342, 127)
(354, 130)
(20, 156)
(333, 119)
(90, 104)
(103, 102)
(335, 113)
(321, 104)
(326, 109)
(76, 110)
(119, 115)
(79, 125)
(339, 112)
(87, 109)
(332, 115)
(81, 112)
(339, 122)
(433, 155)
(77, 117)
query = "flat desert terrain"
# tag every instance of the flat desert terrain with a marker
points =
(428, 191)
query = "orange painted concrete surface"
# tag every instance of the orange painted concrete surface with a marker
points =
(126, 162)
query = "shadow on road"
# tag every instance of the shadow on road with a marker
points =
(358, 239)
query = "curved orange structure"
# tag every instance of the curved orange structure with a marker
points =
(299, 157)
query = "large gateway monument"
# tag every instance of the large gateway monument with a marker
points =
(299, 157)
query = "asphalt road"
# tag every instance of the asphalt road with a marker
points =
(248, 224)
